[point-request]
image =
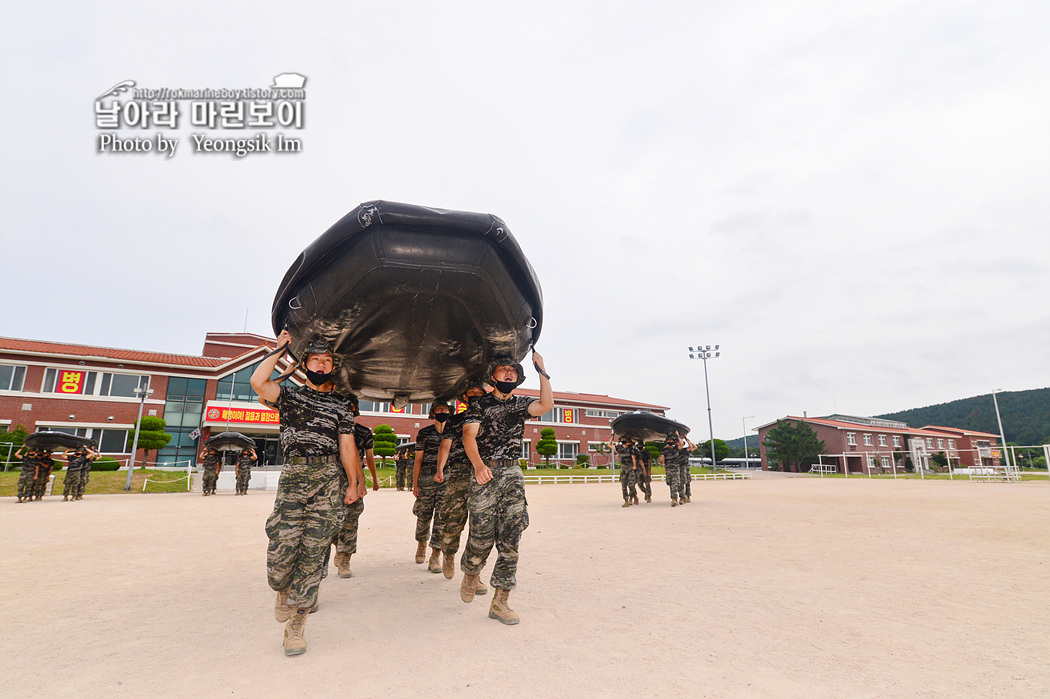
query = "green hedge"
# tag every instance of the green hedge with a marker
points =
(105, 463)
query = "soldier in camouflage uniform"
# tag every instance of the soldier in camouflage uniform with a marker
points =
(346, 536)
(455, 471)
(317, 439)
(492, 438)
(78, 466)
(45, 464)
(672, 474)
(428, 491)
(645, 472)
(404, 459)
(628, 470)
(210, 470)
(245, 460)
(684, 474)
(30, 459)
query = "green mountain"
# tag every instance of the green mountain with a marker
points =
(1026, 415)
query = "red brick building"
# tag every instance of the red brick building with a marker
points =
(873, 445)
(90, 391)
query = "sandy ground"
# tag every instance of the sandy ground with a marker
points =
(774, 587)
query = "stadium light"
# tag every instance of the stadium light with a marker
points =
(706, 353)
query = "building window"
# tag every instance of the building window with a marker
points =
(882, 440)
(12, 378)
(92, 383)
(940, 444)
(951, 444)
(596, 446)
(929, 442)
(565, 416)
(871, 462)
(896, 441)
(851, 439)
(567, 450)
(109, 441)
(525, 449)
(183, 406)
(603, 413)
(885, 462)
(867, 440)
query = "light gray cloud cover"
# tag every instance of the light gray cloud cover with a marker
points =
(850, 198)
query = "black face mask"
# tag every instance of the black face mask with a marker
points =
(470, 399)
(441, 417)
(318, 379)
(506, 387)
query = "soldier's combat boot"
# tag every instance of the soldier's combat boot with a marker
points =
(468, 587)
(434, 565)
(342, 565)
(294, 638)
(648, 497)
(674, 502)
(500, 609)
(281, 608)
(421, 551)
(626, 502)
(480, 588)
(448, 567)
(634, 499)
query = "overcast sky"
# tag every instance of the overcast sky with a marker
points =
(850, 198)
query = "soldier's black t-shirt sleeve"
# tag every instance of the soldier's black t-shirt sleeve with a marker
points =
(277, 404)
(346, 418)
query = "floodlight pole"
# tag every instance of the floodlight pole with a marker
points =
(142, 393)
(743, 421)
(706, 353)
(1002, 435)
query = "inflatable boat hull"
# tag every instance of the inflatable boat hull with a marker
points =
(230, 441)
(415, 301)
(646, 426)
(46, 439)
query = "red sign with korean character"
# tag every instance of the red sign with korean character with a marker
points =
(70, 381)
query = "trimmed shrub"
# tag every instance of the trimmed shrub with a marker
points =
(105, 463)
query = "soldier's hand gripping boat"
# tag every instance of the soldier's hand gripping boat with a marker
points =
(414, 301)
(646, 426)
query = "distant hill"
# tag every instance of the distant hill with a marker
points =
(1026, 415)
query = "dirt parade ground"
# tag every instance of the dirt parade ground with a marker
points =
(771, 587)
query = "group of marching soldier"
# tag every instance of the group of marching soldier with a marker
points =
(211, 467)
(636, 471)
(465, 467)
(37, 465)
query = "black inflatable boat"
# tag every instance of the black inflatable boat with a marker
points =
(415, 301)
(646, 426)
(47, 439)
(230, 441)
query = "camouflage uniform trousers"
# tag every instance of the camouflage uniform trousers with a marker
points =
(454, 506)
(685, 479)
(499, 513)
(427, 508)
(402, 474)
(243, 477)
(307, 513)
(628, 478)
(40, 483)
(25, 484)
(673, 478)
(85, 476)
(346, 537)
(208, 480)
(645, 482)
(71, 485)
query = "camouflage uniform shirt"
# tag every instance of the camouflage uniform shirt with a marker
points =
(502, 425)
(79, 462)
(454, 431)
(428, 440)
(311, 421)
